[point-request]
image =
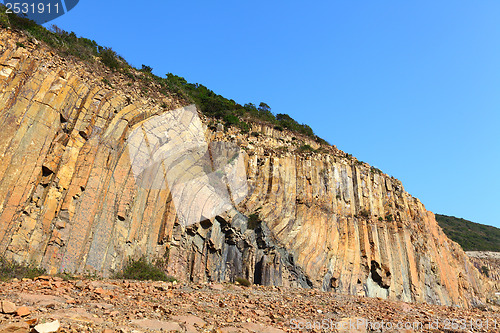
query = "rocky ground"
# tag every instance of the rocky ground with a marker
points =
(47, 304)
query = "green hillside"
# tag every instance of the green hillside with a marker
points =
(470, 235)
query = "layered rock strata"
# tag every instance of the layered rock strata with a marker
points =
(70, 201)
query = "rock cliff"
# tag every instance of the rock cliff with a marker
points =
(487, 262)
(312, 216)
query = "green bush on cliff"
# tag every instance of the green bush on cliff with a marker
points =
(109, 58)
(10, 269)
(253, 221)
(146, 69)
(288, 122)
(306, 148)
(142, 270)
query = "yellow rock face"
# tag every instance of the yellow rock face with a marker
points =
(69, 199)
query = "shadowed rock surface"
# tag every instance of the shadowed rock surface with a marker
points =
(69, 200)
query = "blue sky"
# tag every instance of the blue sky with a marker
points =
(409, 87)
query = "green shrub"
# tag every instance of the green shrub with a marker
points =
(364, 213)
(231, 119)
(11, 269)
(146, 69)
(109, 57)
(127, 73)
(485, 270)
(107, 82)
(243, 281)
(245, 128)
(322, 141)
(4, 19)
(142, 270)
(389, 217)
(288, 122)
(253, 221)
(306, 148)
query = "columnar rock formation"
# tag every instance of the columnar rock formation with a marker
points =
(69, 200)
(487, 262)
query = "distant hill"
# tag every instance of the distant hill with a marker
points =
(470, 235)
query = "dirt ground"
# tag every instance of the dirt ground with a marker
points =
(49, 304)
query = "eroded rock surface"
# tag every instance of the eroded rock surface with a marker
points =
(487, 262)
(69, 199)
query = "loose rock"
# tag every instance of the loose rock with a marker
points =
(8, 307)
(23, 311)
(48, 327)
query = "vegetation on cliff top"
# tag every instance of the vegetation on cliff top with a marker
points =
(210, 103)
(470, 235)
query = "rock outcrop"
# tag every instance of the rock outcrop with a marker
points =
(487, 262)
(70, 201)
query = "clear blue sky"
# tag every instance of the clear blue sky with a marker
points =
(411, 87)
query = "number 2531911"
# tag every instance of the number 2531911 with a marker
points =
(31, 8)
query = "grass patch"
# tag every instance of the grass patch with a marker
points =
(11, 269)
(142, 270)
(67, 276)
(306, 148)
(244, 282)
